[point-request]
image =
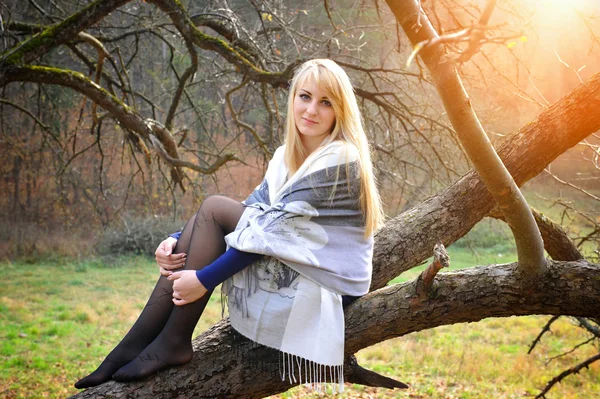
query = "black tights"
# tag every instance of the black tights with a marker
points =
(161, 336)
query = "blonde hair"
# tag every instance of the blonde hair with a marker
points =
(348, 127)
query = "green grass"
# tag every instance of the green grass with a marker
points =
(59, 320)
(480, 360)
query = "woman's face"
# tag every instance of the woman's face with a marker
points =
(313, 113)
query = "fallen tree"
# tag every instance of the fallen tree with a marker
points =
(227, 365)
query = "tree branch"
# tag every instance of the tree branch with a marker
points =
(357, 374)
(188, 30)
(424, 282)
(230, 34)
(39, 44)
(243, 124)
(556, 241)
(525, 153)
(545, 329)
(506, 194)
(148, 129)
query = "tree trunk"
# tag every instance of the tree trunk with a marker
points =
(226, 365)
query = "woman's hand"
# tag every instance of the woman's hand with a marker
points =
(166, 259)
(186, 287)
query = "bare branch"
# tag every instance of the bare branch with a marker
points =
(356, 374)
(215, 22)
(31, 115)
(189, 72)
(242, 124)
(148, 129)
(566, 183)
(326, 5)
(545, 329)
(584, 323)
(572, 350)
(556, 241)
(477, 36)
(186, 27)
(566, 373)
(41, 43)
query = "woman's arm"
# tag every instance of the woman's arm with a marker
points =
(191, 285)
(225, 266)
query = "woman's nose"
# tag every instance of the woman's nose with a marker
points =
(312, 108)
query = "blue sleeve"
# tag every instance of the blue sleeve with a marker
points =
(225, 266)
(176, 235)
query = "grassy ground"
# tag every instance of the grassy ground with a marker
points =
(58, 321)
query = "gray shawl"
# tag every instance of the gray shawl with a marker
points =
(311, 228)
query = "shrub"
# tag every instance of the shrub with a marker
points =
(32, 243)
(138, 236)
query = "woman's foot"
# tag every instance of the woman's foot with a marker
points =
(157, 356)
(102, 374)
(147, 327)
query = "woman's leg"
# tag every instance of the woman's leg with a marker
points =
(148, 325)
(217, 217)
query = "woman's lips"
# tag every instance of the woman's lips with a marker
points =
(308, 121)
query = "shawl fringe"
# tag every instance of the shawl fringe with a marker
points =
(316, 376)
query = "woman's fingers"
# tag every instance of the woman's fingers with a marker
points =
(177, 295)
(180, 302)
(172, 263)
(186, 287)
(173, 258)
(166, 246)
(175, 276)
(169, 262)
(165, 258)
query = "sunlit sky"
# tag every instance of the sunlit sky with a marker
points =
(559, 38)
(558, 8)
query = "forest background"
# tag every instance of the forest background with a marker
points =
(81, 192)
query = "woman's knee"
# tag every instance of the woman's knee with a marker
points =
(222, 210)
(214, 203)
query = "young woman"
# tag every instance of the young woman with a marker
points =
(297, 245)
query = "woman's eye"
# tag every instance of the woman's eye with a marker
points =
(304, 96)
(327, 103)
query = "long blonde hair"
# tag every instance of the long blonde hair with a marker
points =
(348, 127)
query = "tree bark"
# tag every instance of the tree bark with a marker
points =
(227, 365)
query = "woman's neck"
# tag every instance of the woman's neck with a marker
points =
(310, 144)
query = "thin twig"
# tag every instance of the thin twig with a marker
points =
(544, 330)
(566, 373)
(573, 349)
